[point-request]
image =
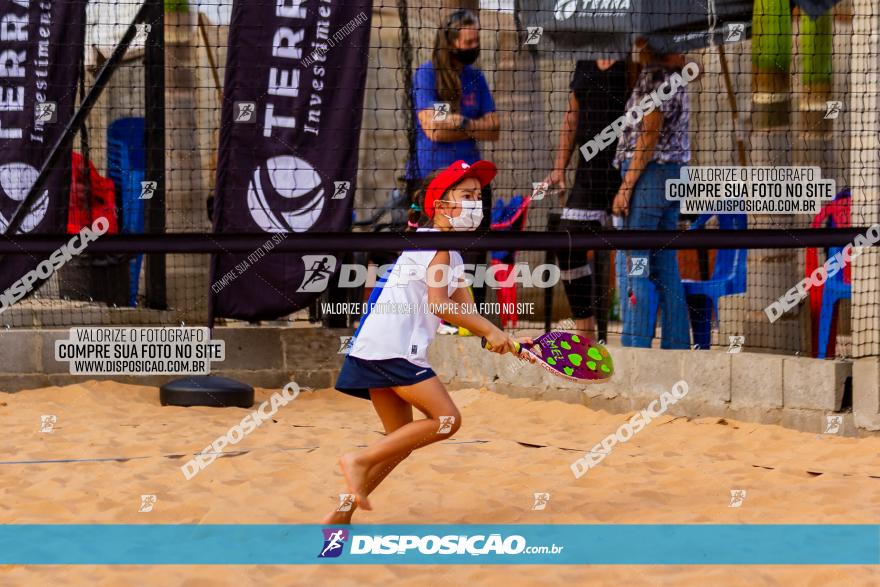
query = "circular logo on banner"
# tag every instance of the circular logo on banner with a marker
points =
(285, 194)
(16, 180)
(565, 9)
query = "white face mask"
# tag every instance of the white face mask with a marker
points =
(470, 216)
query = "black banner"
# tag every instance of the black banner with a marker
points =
(294, 89)
(595, 29)
(41, 45)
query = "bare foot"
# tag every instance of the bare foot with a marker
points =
(355, 477)
(335, 518)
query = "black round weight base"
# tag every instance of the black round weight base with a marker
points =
(206, 390)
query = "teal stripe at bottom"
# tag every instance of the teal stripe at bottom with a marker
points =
(441, 544)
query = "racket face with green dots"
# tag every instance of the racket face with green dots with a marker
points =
(573, 357)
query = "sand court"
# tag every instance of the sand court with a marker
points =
(110, 444)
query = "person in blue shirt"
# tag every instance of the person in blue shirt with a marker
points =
(453, 111)
(453, 105)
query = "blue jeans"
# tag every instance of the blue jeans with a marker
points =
(650, 210)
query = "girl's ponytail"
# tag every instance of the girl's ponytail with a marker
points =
(414, 217)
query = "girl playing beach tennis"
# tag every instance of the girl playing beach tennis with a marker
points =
(388, 359)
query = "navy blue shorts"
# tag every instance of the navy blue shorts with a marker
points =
(359, 375)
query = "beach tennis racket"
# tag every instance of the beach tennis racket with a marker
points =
(569, 356)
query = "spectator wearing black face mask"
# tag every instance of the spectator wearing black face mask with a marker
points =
(453, 110)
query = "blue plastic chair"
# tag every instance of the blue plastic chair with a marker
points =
(126, 163)
(834, 290)
(728, 277)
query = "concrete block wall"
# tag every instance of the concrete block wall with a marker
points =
(772, 389)
(866, 393)
(260, 356)
(793, 392)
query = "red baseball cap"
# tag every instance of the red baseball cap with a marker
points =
(483, 171)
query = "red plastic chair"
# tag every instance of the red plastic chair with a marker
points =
(508, 216)
(100, 200)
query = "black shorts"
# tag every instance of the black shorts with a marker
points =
(587, 285)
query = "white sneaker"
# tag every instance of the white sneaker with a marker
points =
(447, 329)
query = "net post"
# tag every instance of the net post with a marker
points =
(154, 142)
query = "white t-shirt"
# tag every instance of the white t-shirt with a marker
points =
(400, 325)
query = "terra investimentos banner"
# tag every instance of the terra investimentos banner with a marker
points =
(288, 143)
(41, 45)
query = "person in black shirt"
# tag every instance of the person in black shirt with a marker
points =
(599, 90)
